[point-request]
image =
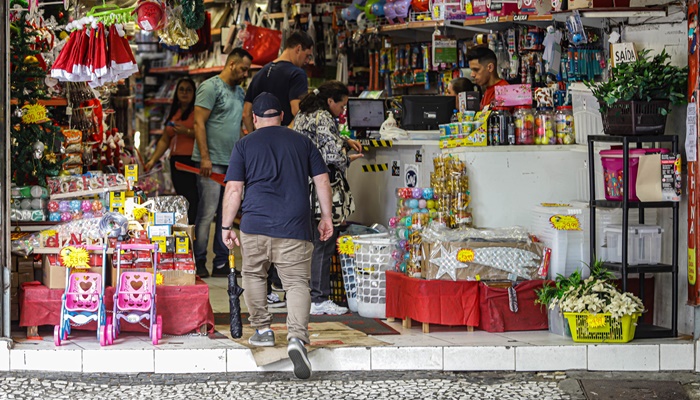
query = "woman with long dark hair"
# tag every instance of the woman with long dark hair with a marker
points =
(178, 136)
(316, 120)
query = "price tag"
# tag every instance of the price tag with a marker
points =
(595, 320)
(444, 50)
(565, 222)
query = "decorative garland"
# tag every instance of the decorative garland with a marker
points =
(193, 13)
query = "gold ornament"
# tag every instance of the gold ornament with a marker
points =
(51, 157)
(30, 60)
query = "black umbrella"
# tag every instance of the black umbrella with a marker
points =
(234, 301)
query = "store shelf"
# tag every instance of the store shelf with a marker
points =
(487, 24)
(56, 102)
(633, 139)
(614, 12)
(634, 204)
(640, 268)
(170, 70)
(158, 101)
(510, 149)
(646, 331)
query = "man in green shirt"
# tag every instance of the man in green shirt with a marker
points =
(218, 113)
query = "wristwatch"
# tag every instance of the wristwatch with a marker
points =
(227, 228)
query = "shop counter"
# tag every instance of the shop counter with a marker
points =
(184, 308)
(454, 303)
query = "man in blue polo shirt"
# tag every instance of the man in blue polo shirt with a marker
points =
(274, 164)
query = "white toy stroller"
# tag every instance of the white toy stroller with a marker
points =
(135, 297)
(83, 298)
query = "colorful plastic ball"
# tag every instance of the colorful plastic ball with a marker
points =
(76, 215)
(74, 205)
(433, 213)
(416, 193)
(64, 206)
(393, 221)
(414, 210)
(407, 221)
(402, 244)
(407, 256)
(403, 267)
(413, 203)
(96, 205)
(55, 216)
(428, 193)
(405, 193)
(424, 210)
(86, 205)
(430, 204)
(396, 255)
(52, 206)
(66, 216)
(422, 203)
(88, 215)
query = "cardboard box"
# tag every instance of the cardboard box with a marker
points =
(188, 229)
(159, 230)
(476, 271)
(178, 277)
(54, 274)
(182, 243)
(164, 218)
(23, 277)
(513, 95)
(25, 265)
(166, 244)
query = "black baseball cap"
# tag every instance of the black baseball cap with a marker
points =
(266, 102)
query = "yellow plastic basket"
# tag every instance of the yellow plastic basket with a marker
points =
(600, 328)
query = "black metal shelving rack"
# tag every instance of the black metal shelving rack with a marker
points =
(644, 330)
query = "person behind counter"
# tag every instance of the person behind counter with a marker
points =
(483, 62)
(178, 135)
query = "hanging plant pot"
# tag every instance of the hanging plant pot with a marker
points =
(635, 118)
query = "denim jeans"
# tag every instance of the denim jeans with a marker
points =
(210, 196)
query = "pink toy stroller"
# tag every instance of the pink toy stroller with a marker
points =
(135, 296)
(83, 301)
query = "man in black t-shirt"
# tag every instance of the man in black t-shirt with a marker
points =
(274, 164)
(284, 78)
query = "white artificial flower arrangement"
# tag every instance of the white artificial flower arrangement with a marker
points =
(598, 296)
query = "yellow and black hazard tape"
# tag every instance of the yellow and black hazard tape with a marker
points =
(375, 167)
(367, 144)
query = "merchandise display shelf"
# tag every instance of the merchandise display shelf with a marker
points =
(640, 268)
(634, 204)
(170, 70)
(54, 102)
(158, 101)
(511, 149)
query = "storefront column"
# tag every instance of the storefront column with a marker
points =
(5, 169)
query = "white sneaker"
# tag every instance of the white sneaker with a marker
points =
(274, 301)
(327, 307)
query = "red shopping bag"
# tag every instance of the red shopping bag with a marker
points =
(262, 43)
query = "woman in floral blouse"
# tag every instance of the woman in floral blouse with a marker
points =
(316, 120)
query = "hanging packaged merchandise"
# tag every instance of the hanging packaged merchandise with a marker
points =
(193, 13)
(262, 43)
(175, 32)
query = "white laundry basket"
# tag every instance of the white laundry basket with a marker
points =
(347, 266)
(372, 260)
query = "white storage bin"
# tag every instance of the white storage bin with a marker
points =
(587, 119)
(644, 244)
(570, 248)
(372, 260)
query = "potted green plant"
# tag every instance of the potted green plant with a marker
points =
(637, 97)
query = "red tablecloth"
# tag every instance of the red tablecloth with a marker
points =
(432, 301)
(496, 315)
(184, 308)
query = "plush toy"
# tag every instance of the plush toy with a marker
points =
(376, 9)
(401, 8)
(351, 12)
(420, 5)
(389, 11)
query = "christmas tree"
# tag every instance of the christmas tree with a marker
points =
(33, 135)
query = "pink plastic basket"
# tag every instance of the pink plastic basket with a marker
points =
(612, 171)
